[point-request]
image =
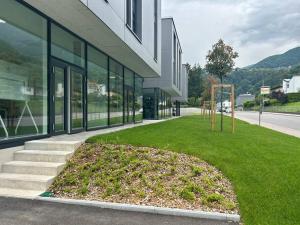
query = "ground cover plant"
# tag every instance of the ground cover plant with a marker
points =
(144, 176)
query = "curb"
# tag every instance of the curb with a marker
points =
(147, 209)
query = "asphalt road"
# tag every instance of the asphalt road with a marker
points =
(35, 212)
(285, 123)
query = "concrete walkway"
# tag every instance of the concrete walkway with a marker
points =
(34, 212)
(82, 136)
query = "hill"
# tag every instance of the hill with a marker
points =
(270, 71)
(287, 59)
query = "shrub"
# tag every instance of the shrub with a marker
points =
(249, 104)
(293, 97)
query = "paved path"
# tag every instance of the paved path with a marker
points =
(35, 212)
(285, 123)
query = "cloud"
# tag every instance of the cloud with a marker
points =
(256, 28)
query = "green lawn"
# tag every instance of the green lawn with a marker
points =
(263, 165)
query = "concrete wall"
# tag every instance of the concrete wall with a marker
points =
(294, 85)
(166, 81)
(103, 24)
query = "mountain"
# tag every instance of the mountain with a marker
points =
(287, 59)
(270, 71)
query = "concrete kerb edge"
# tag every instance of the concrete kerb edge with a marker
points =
(147, 209)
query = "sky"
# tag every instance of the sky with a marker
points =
(255, 28)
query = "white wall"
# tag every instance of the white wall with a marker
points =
(104, 26)
(113, 14)
(165, 82)
(292, 85)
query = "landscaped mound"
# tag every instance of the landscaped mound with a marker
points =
(144, 176)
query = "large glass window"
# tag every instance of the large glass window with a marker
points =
(115, 93)
(150, 103)
(134, 16)
(128, 95)
(97, 89)
(138, 99)
(66, 46)
(23, 72)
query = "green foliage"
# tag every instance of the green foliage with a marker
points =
(214, 197)
(249, 104)
(187, 195)
(195, 82)
(220, 60)
(289, 58)
(293, 97)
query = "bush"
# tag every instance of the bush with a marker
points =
(293, 97)
(249, 104)
(279, 96)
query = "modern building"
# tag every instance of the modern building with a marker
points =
(291, 85)
(243, 98)
(160, 92)
(184, 89)
(75, 65)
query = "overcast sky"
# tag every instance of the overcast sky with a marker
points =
(255, 28)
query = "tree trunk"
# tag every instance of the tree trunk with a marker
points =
(222, 103)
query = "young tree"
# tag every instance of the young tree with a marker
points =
(220, 62)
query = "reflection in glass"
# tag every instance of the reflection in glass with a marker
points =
(138, 99)
(129, 95)
(66, 46)
(76, 100)
(115, 93)
(59, 83)
(97, 89)
(23, 72)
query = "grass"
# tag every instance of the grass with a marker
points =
(147, 176)
(263, 165)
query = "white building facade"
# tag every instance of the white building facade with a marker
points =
(160, 94)
(291, 85)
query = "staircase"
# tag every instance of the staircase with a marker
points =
(33, 169)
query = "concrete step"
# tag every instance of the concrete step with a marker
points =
(42, 156)
(21, 193)
(25, 181)
(35, 168)
(52, 145)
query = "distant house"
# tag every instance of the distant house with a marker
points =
(278, 88)
(243, 98)
(291, 85)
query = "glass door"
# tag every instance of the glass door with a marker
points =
(76, 100)
(67, 108)
(59, 99)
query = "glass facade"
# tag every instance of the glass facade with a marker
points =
(66, 46)
(23, 72)
(97, 89)
(138, 105)
(115, 93)
(157, 104)
(86, 89)
(128, 96)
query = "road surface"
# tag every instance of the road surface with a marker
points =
(285, 123)
(34, 212)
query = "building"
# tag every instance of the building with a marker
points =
(161, 93)
(291, 85)
(75, 65)
(184, 89)
(278, 88)
(243, 98)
